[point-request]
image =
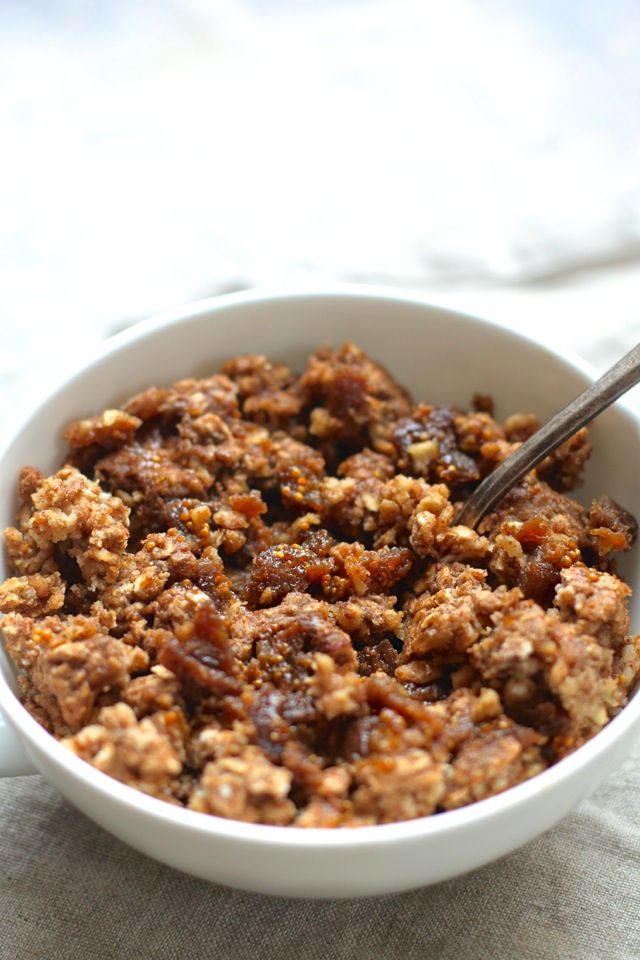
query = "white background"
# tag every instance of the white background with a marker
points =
(154, 152)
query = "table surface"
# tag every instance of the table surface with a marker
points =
(159, 153)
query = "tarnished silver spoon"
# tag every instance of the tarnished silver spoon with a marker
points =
(622, 376)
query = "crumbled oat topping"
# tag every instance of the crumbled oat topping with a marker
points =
(248, 595)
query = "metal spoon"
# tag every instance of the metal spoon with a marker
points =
(617, 380)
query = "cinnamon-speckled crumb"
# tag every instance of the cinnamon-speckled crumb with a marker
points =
(248, 595)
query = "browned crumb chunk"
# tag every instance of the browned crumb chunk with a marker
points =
(245, 787)
(112, 428)
(71, 526)
(612, 527)
(135, 752)
(397, 787)
(36, 594)
(248, 595)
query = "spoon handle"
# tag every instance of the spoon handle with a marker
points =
(597, 397)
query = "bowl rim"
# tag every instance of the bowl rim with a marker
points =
(116, 342)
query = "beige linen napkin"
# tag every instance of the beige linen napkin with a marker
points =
(69, 891)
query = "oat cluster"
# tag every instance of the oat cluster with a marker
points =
(248, 595)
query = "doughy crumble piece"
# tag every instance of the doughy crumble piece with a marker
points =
(158, 690)
(395, 788)
(596, 601)
(330, 806)
(213, 741)
(267, 391)
(335, 694)
(538, 533)
(486, 749)
(455, 615)
(131, 751)
(368, 618)
(352, 398)
(69, 666)
(110, 429)
(503, 757)
(245, 787)
(35, 595)
(556, 671)
(71, 523)
(402, 511)
(186, 398)
(477, 427)
(247, 594)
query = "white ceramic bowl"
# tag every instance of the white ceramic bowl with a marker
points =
(442, 357)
